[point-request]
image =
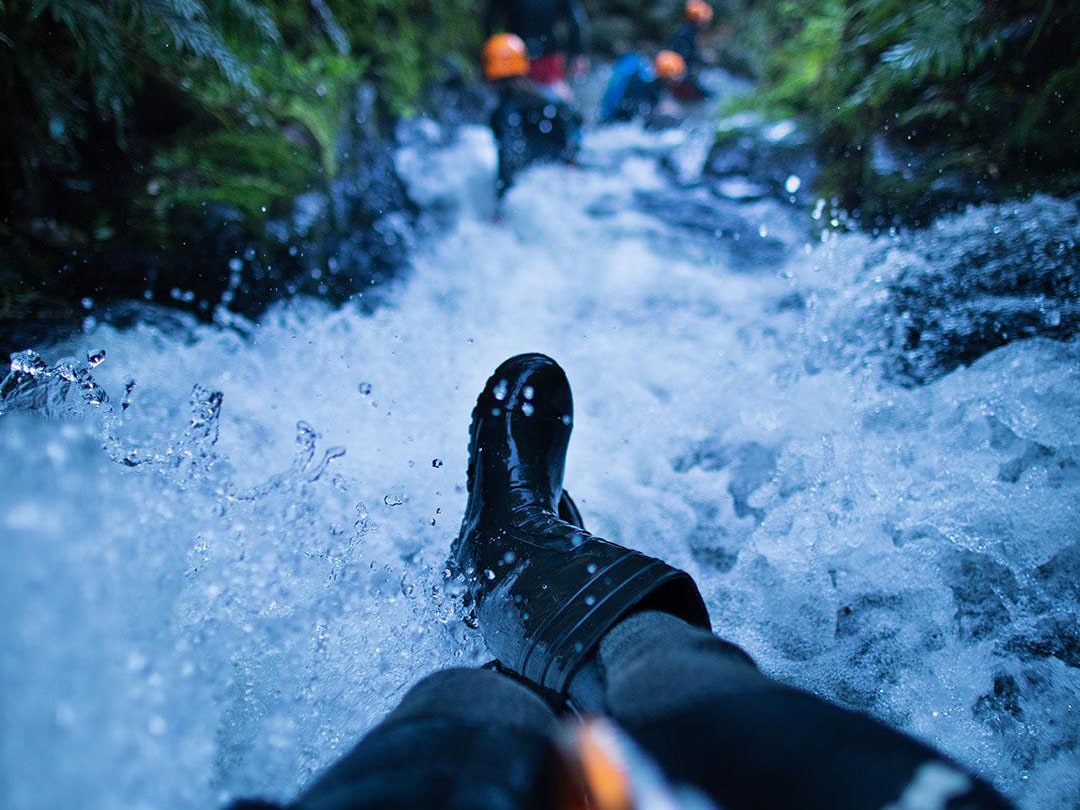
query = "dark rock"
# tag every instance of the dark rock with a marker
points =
(777, 157)
(904, 181)
(982, 590)
(1059, 577)
(983, 279)
(1054, 637)
(365, 239)
(724, 225)
(717, 558)
(1003, 700)
(1060, 466)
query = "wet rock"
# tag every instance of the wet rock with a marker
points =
(904, 181)
(753, 156)
(709, 454)
(1059, 577)
(1060, 467)
(365, 239)
(341, 238)
(457, 97)
(882, 632)
(724, 225)
(1003, 700)
(717, 558)
(982, 590)
(1054, 637)
(982, 279)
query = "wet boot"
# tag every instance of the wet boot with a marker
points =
(545, 590)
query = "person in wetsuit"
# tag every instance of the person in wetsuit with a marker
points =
(530, 126)
(535, 22)
(583, 627)
(697, 14)
(639, 88)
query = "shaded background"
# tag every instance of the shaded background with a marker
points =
(145, 136)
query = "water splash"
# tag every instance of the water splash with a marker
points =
(228, 605)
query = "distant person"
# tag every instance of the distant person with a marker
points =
(676, 717)
(697, 16)
(642, 88)
(530, 126)
(535, 22)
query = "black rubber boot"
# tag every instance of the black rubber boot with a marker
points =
(546, 591)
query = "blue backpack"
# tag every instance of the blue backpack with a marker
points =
(622, 73)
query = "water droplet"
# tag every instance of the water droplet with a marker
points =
(590, 600)
(566, 420)
(499, 391)
(527, 408)
(509, 557)
(528, 392)
(436, 463)
(763, 230)
(489, 574)
(364, 388)
(393, 499)
(95, 358)
(792, 184)
(591, 568)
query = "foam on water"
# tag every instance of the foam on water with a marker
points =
(202, 597)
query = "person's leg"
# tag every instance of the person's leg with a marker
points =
(461, 738)
(700, 707)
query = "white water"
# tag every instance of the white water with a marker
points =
(227, 618)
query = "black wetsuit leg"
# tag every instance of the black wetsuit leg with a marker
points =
(700, 707)
(460, 739)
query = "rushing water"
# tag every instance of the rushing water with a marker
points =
(223, 557)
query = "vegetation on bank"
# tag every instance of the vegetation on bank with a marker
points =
(130, 124)
(149, 140)
(920, 105)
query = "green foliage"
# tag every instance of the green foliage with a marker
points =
(69, 66)
(254, 172)
(126, 120)
(984, 90)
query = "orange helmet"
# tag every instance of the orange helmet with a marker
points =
(698, 12)
(669, 65)
(504, 56)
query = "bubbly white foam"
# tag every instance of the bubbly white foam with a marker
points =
(227, 611)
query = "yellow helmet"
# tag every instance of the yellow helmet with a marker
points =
(504, 56)
(669, 65)
(699, 12)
